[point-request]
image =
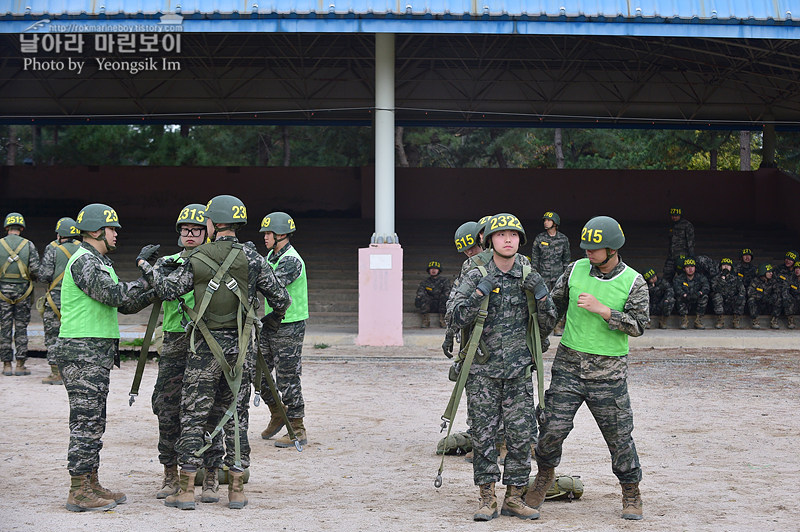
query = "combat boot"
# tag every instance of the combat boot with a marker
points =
(487, 506)
(210, 486)
(756, 325)
(236, 497)
(773, 324)
(275, 424)
(631, 501)
(82, 497)
(685, 321)
(171, 484)
(299, 432)
(790, 322)
(698, 322)
(54, 377)
(514, 506)
(544, 479)
(184, 499)
(21, 369)
(7, 368)
(469, 456)
(662, 322)
(737, 321)
(720, 322)
(426, 321)
(116, 496)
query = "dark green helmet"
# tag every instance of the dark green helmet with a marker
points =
(279, 223)
(194, 213)
(602, 232)
(466, 236)
(66, 227)
(14, 218)
(96, 216)
(502, 222)
(791, 255)
(763, 269)
(434, 264)
(726, 260)
(747, 251)
(226, 209)
(689, 261)
(550, 215)
(649, 274)
(675, 211)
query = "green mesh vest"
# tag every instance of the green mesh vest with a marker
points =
(298, 290)
(173, 315)
(82, 316)
(221, 311)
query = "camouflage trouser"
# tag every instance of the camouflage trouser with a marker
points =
(428, 304)
(282, 352)
(496, 403)
(609, 403)
(663, 307)
(727, 305)
(51, 325)
(669, 269)
(87, 390)
(792, 304)
(16, 318)
(206, 396)
(696, 303)
(167, 402)
(763, 306)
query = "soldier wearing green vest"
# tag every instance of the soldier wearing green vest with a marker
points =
(225, 277)
(166, 400)
(283, 349)
(605, 302)
(19, 268)
(51, 272)
(88, 345)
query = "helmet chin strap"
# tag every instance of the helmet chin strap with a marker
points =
(109, 247)
(608, 257)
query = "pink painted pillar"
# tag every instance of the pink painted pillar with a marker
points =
(380, 295)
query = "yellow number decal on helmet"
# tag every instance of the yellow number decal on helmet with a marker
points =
(80, 217)
(291, 224)
(239, 212)
(592, 235)
(111, 215)
(265, 222)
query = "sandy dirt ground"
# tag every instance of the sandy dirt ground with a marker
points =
(717, 434)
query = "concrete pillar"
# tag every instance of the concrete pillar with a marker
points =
(384, 140)
(768, 147)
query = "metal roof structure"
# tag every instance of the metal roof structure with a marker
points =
(728, 64)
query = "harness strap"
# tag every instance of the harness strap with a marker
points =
(56, 282)
(148, 338)
(13, 256)
(533, 338)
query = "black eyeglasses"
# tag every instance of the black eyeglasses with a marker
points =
(192, 231)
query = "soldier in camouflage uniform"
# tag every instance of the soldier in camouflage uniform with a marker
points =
(432, 294)
(88, 345)
(499, 388)
(605, 301)
(727, 294)
(51, 272)
(19, 268)
(221, 305)
(166, 400)
(764, 296)
(793, 296)
(706, 267)
(746, 268)
(784, 272)
(691, 293)
(467, 242)
(283, 349)
(681, 241)
(550, 254)
(662, 298)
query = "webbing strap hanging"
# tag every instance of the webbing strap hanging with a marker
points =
(533, 338)
(262, 371)
(148, 338)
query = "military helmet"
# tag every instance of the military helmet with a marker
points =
(466, 236)
(96, 216)
(194, 213)
(763, 269)
(434, 264)
(550, 215)
(66, 227)
(482, 222)
(279, 223)
(747, 251)
(689, 261)
(226, 209)
(14, 218)
(649, 274)
(675, 211)
(602, 232)
(726, 260)
(791, 255)
(503, 222)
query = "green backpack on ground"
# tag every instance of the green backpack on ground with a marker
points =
(457, 443)
(564, 487)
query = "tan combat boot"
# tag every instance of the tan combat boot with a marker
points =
(426, 321)
(54, 377)
(210, 486)
(756, 325)
(773, 324)
(698, 322)
(184, 499)
(631, 501)
(737, 321)
(21, 369)
(487, 507)
(790, 322)
(82, 497)
(275, 424)
(544, 479)
(116, 496)
(514, 506)
(299, 432)
(236, 497)
(170, 485)
(720, 322)
(685, 321)
(469, 456)
(662, 322)
(7, 368)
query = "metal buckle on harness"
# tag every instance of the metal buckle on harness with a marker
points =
(13, 259)
(213, 285)
(208, 438)
(257, 399)
(232, 285)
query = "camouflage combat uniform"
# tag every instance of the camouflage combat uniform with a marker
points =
(550, 256)
(727, 294)
(283, 349)
(792, 295)
(54, 260)
(764, 297)
(85, 363)
(662, 297)
(205, 394)
(500, 391)
(597, 379)
(681, 242)
(15, 315)
(432, 294)
(691, 294)
(746, 271)
(707, 267)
